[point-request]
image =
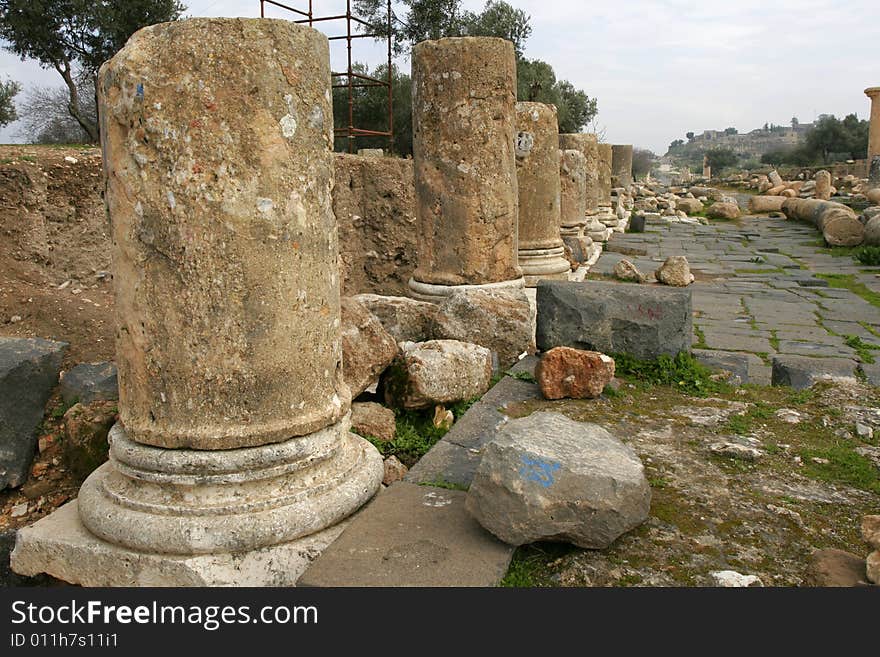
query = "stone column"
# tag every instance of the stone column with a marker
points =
(621, 165)
(464, 92)
(234, 417)
(573, 192)
(588, 144)
(874, 127)
(541, 253)
(604, 181)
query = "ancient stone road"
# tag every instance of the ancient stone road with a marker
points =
(757, 289)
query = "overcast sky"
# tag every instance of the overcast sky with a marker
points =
(660, 68)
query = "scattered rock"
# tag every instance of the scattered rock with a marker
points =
(374, 420)
(367, 348)
(89, 382)
(394, 470)
(566, 373)
(644, 321)
(443, 418)
(864, 432)
(873, 567)
(736, 450)
(689, 205)
(789, 415)
(675, 272)
(723, 211)
(871, 531)
(733, 579)
(29, 369)
(407, 320)
(499, 321)
(438, 372)
(627, 271)
(19, 510)
(85, 436)
(546, 477)
(836, 568)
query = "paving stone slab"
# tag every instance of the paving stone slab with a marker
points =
(742, 365)
(802, 372)
(816, 349)
(412, 536)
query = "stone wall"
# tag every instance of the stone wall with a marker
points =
(374, 202)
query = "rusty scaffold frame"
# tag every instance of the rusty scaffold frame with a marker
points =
(353, 80)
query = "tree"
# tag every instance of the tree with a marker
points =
(677, 143)
(731, 131)
(831, 135)
(371, 110)
(721, 158)
(8, 91)
(643, 162)
(499, 19)
(46, 119)
(76, 36)
(417, 20)
(690, 136)
(794, 122)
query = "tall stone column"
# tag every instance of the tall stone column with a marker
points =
(874, 127)
(234, 417)
(707, 168)
(541, 253)
(588, 144)
(604, 181)
(573, 192)
(622, 165)
(464, 93)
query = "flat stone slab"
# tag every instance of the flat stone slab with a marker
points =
(59, 545)
(802, 372)
(89, 382)
(871, 372)
(821, 349)
(412, 536)
(740, 365)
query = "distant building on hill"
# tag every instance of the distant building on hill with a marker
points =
(750, 144)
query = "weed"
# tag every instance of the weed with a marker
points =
(849, 282)
(863, 349)
(840, 464)
(683, 372)
(448, 485)
(868, 255)
(62, 408)
(701, 338)
(531, 564)
(611, 392)
(522, 376)
(774, 340)
(415, 435)
(801, 397)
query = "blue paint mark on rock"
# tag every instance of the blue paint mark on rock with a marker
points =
(539, 471)
(140, 89)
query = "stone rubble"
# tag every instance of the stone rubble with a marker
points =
(566, 373)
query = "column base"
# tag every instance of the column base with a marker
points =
(439, 293)
(537, 264)
(190, 502)
(59, 545)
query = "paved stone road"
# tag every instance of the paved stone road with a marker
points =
(756, 289)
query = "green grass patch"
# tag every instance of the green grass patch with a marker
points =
(530, 566)
(777, 270)
(744, 423)
(774, 339)
(843, 465)
(58, 412)
(448, 485)
(522, 376)
(415, 435)
(683, 372)
(849, 282)
(801, 397)
(868, 255)
(701, 338)
(863, 349)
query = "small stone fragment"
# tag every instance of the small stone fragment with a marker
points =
(19, 510)
(367, 348)
(733, 579)
(864, 432)
(86, 427)
(675, 272)
(627, 271)
(564, 372)
(443, 418)
(736, 451)
(373, 420)
(394, 470)
(871, 531)
(789, 415)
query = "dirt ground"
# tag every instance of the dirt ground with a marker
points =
(55, 254)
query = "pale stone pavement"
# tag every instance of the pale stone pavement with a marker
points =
(756, 289)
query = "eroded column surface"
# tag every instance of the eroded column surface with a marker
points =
(621, 165)
(464, 92)
(217, 137)
(604, 180)
(573, 191)
(538, 180)
(874, 127)
(588, 144)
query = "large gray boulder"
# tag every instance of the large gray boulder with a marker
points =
(640, 320)
(90, 382)
(29, 369)
(498, 320)
(548, 478)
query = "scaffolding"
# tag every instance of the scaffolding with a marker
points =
(352, 79)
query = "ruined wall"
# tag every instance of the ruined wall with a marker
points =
(374, 202)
